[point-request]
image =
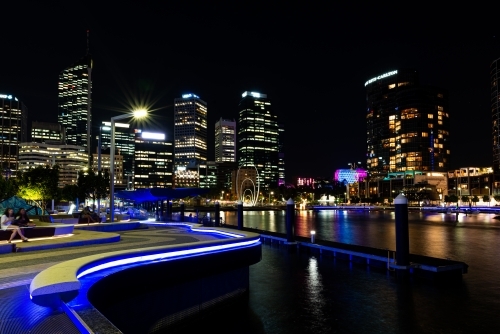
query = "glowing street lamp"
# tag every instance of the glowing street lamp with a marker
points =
(139, 113)
(271, 193)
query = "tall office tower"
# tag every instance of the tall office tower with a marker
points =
(190, 131)
(153, 160)
(50, 133)
(75, 101)
(407, 124)
(225, 140)
(124, 144)
(208, 175)
(258, 138)
(281, 155)
(495, 113)
(13, 127)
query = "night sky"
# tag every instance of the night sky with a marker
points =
(311, 60)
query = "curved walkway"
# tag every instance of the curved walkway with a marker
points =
(19, 315)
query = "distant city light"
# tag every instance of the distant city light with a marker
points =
(385, 75)
(153, 135)
(187, 96)
(350, 175)
(254, 94)
(107, 125)
(5, 96)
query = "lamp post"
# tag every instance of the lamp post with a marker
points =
(271, 193)
(136, 114)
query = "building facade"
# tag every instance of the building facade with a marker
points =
(75, 102)
(281, 154)
(208, 175)
(124, 143)
(225, 140)
(13, 128)
(258, 138)
(471, 181)
(495, 114)
(153, 164)
(407, 124)
(50, 133)
(121, 179)
(190, 131)
(70, 158)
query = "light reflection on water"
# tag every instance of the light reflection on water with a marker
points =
(300, 293)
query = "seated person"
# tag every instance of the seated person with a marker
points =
(87, 214)
(22, 219)
(6, 224)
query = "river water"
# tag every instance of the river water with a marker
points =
(300, 293)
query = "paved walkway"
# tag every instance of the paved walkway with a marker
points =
(19, 315)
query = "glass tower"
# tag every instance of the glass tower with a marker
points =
(225, 140)
(74, 102)
(124, 143)
(153, 160)
(190, 131)
(407, 124)
(495, 113)
(13, 129)
(258, 138)
(50, 133)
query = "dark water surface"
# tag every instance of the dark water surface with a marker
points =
(298, 293)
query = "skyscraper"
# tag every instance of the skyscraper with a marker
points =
(124, 144)
(50, 133)
(281, 154)
(407, 124)
(225, 140)
(13, 127)
(190, 131)
(75, 101)
(153, 160)
(258, 138)
(495, 113)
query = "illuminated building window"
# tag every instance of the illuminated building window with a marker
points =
(430, 116)
(430, 125)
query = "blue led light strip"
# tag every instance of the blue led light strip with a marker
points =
(167, 255)
(194, 229)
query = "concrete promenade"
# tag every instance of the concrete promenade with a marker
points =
(18, 314)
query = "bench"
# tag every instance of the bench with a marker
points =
(39, 232)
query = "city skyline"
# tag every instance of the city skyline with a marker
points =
(311, 61)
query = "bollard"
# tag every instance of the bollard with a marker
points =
(402, 234)
(217, 214)
(313, 235)
(456, 217)
(181, 209)
(289, 220)
(240, 215)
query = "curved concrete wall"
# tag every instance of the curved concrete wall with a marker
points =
(60, 282)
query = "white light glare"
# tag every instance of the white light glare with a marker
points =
(153, 135)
